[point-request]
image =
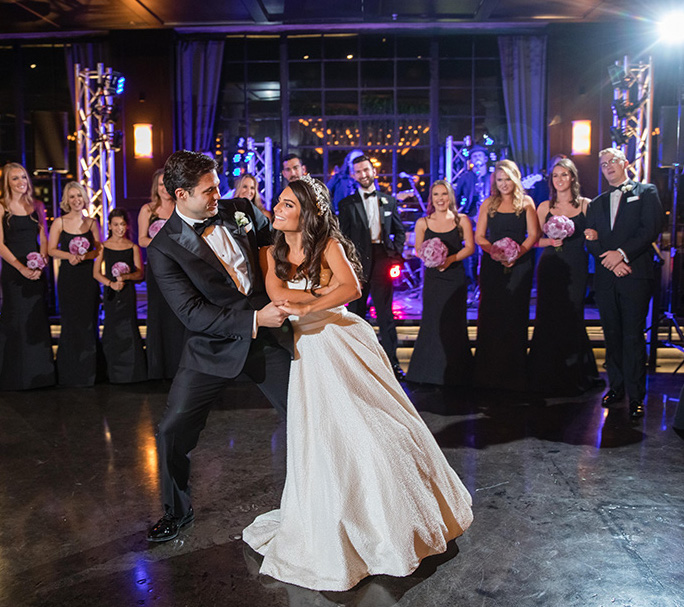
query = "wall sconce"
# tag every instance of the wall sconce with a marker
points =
(142, 140)
(581, 137)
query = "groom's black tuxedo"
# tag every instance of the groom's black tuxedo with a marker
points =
(623, 301)
(220, 346)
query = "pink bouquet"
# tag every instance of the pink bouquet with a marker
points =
(35, 261)
(559, 227)
(505, 250)
(433, 252)
(79, 245)
(119, 268)
(155, 226)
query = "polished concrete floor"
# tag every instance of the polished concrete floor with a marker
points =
(573, 505)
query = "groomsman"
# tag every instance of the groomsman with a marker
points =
(293, 168)
(621, 225)
(370, 219)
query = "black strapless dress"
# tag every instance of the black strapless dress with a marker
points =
(504, 314)
(442, 352)
(561, 361)
(26, 359)
(121, 339)
(79, 352)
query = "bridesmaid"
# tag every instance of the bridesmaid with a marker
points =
(75, 241)
(165, 333)
(442, 353)
(121, 338)
(26, 359)
(247, 187)
(504, 312)
(561, 361)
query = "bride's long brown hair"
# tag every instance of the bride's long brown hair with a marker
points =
(317, 226)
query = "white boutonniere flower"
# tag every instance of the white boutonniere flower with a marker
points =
(628, 187)
(241, 219)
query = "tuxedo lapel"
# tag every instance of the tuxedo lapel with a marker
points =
(191, 241)
(244, 241)
(623, 201)
(361, 209)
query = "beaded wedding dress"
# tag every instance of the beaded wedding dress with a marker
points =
(368, 490)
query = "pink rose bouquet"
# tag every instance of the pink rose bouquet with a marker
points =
(79, 245)
(119, 268)
(35, 261)
(505, 250)
(433, 252)
(155, 226)
(559, 227)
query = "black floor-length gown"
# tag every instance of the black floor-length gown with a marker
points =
(165, 332)
(79, 352)
(442, 353)
(26, 359)
(561, 361)
(503, 317)
(121, 339)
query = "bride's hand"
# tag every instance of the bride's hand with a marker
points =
(295, 309)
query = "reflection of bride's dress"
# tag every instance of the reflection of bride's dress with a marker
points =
(368, 490)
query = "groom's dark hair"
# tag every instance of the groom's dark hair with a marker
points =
(184, 169)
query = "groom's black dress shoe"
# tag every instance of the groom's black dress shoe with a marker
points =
(398, 372)
(611, 397)
(168, 527)
(636, 409)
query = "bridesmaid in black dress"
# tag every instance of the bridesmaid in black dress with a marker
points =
(503, 318)
(442, 353)
(247, 187)
(26, 359)
(561, 361)
(165, 333)
(121, 340)
(75, 241)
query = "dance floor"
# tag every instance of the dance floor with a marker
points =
(573, 505)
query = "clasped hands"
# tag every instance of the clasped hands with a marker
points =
(611, 260)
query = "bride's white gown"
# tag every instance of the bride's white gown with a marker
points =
(368, 490)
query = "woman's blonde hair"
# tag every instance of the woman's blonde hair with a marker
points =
(513, 173)
(257, 202)
(73, 185)
(5, 192)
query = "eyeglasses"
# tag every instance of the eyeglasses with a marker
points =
(613, 160)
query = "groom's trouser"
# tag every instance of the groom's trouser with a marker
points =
(190, 399)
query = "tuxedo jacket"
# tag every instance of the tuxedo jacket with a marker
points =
(354, 225)
(204, 296)
(638, 223)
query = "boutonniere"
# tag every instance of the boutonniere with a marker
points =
(627, 187)
(241, 219)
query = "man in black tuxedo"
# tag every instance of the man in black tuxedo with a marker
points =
(370, 219)
(621, 225)
(205, 260)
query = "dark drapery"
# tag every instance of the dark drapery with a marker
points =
(87, 55)
(198, 74)
(523, 71)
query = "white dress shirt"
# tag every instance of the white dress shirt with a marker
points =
(615, 197)
(227, 250)
(372, 204)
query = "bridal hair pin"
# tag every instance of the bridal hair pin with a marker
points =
(320, 191)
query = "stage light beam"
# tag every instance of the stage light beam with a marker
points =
(671, 28)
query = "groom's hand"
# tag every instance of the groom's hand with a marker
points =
(271, 316)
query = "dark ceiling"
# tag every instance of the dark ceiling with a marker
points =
(63, 17)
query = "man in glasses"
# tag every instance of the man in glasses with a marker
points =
(622, 224)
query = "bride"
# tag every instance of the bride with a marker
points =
(368, 490)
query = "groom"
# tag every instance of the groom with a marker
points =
(205, 260)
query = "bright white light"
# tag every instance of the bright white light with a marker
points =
(671, 28)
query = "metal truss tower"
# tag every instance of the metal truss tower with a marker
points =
(260, 164)
(95, 97)
(633, 114)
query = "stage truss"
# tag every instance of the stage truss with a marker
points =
(96, 139)
(260, 164)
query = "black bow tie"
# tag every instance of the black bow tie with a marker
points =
(369, 194)
(612, 188)
(203, 225)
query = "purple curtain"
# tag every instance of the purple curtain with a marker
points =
(198, 74)
(523, 70)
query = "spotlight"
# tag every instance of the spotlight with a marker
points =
(618, 77)
(619, 136)
(671, 28)
(623, 109)
(113, 83)
(488, 140)
(395, 271)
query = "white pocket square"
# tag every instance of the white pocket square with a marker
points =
(388, 213)
(248, 227)
(632, 198)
